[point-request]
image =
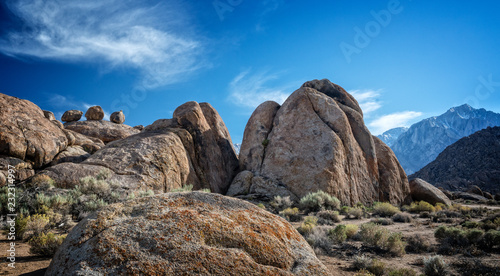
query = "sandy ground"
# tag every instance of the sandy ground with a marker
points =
(26, 263)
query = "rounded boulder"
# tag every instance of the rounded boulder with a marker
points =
(193, 233)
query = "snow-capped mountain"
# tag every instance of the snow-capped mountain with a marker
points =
(423, 141)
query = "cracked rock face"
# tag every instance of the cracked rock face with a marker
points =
(185, 234)
(26, 133)
(318, 141)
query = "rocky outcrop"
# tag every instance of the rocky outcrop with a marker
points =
(74, 154)
(26, 134)
(425, 140)
(422, 190)
(472, 160)
(49, 115)
(193, 148)
(318, 141)
(94, 113)
(106, 131)
(23, 170)
(185, 234)
(117, 117)
(390, 172)
(71, 116)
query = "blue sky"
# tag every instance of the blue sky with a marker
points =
(403, 60)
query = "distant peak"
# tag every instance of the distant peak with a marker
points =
(464, 107)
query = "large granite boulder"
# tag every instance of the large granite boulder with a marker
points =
(106, 131)
(318, 141)
(422, 190)
(26, 133)
(185, 234)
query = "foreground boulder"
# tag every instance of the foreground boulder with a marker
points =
(106, 131)
(26, 134)
(185, 234)
(422, 190)
(318, 141)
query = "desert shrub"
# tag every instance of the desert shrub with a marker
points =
(421, 206)
(20, 223)
(471, 224)
(395, 244)
(280, 203)
(45, 244)
(377, 267)
(319, 201)
(355, 213)
(351, 230)
(373, 266)
(425, 214)
(94, 205)
(364, 272)
(474, 266)
(148, 192)
(319, 240)
(474, 235)
(37, 224)
(328, 217)
(261, 205)
(41, 181)
(361, 262)
(375, 235)
(338, 234)
(449, 214)
(92, 185)
(291, 214)
(402, 217)
(382, 221)
(417, 244)
(435, 266)
(185, 188)
(440, 206)
(308, 225)
(402, 272)
(491, 239)
(385, 209)
(452, 235)
(344, 210)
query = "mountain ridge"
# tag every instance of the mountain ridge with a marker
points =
(423, 141)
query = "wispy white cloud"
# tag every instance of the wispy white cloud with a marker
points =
(398, 119)
(367, 100)
(153, 38)
(251, 89)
